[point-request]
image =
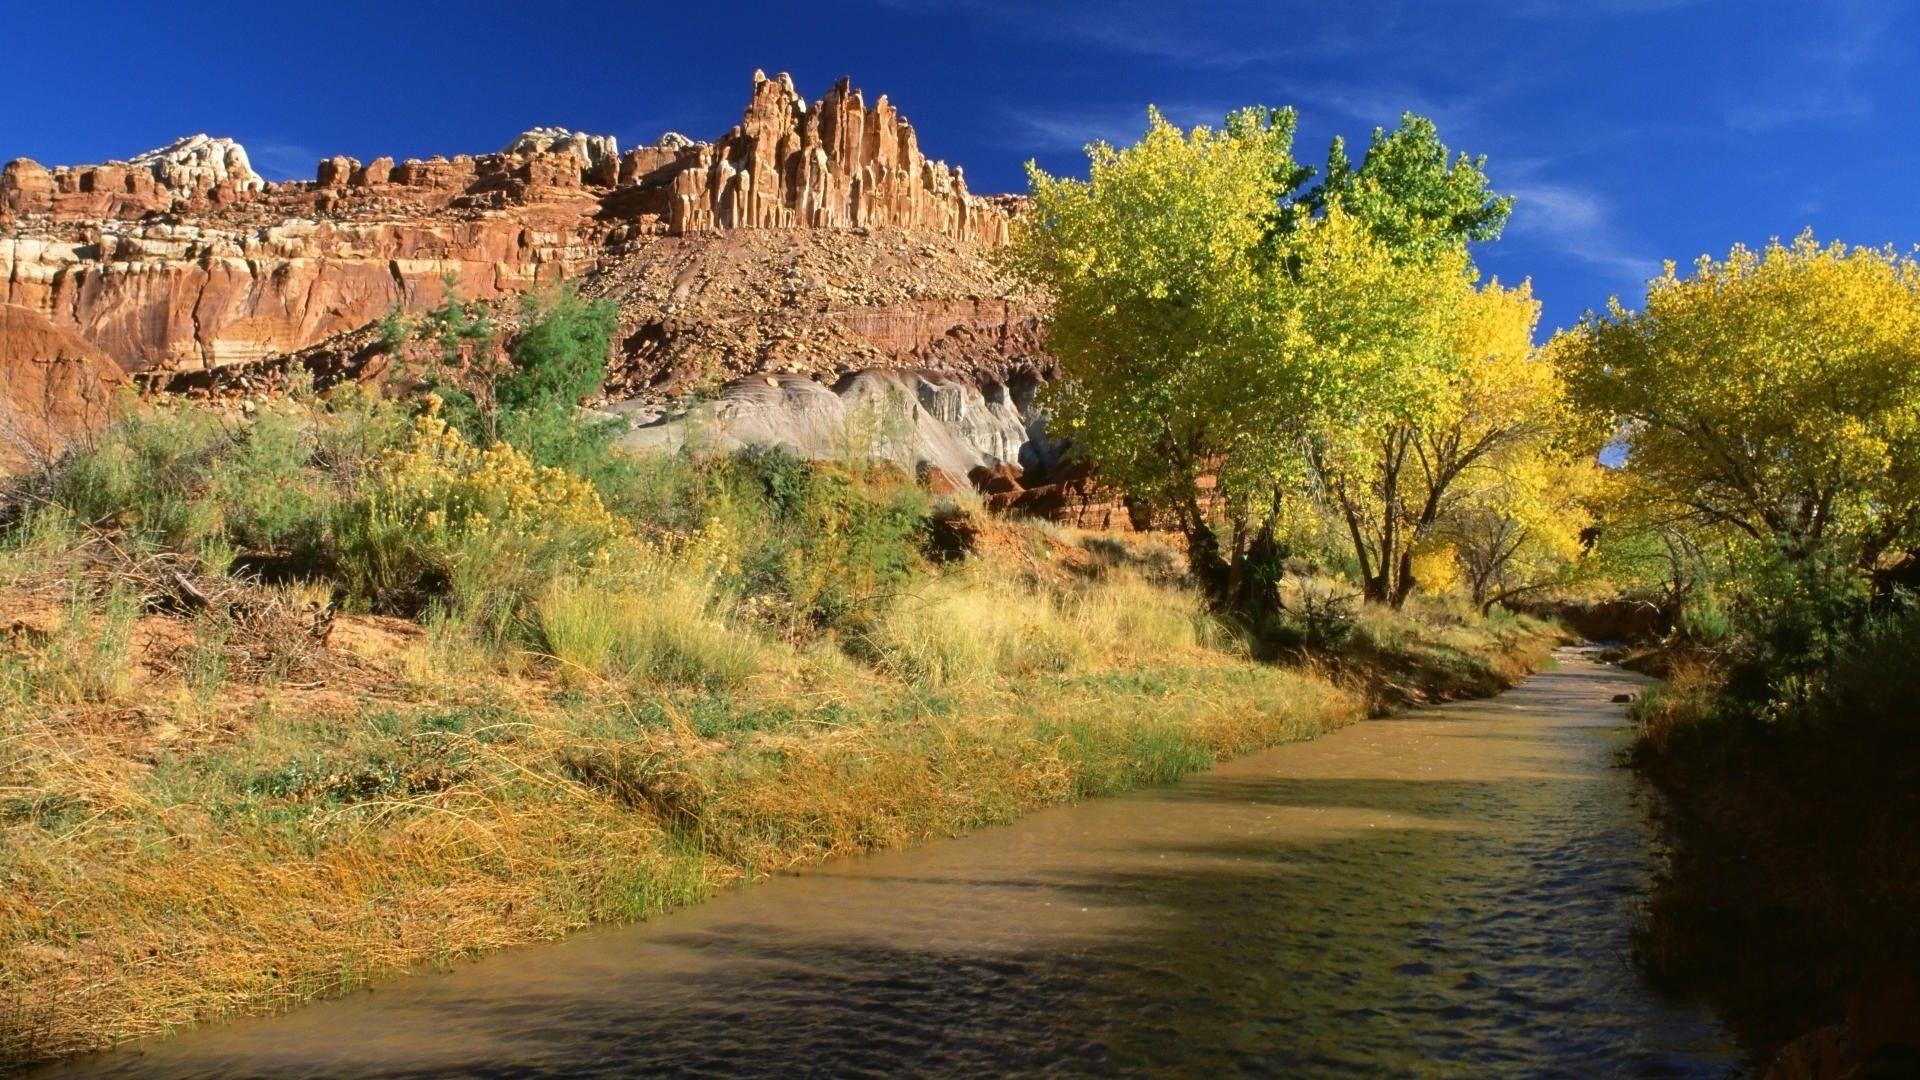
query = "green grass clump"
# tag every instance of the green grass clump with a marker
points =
(657, 626)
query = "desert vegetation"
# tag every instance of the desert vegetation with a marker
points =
(346, 683)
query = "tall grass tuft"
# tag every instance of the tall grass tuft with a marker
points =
(972, 627)
(660, 625)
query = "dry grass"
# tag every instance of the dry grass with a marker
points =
(184, 836)
(656, 624)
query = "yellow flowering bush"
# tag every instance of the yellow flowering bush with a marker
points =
(440, 516)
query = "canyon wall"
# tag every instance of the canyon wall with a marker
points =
(54, 388)
(184, 259)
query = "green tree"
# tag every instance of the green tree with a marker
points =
(1178, 347)
(1411, 194)
(1214, 321)
(560, 355)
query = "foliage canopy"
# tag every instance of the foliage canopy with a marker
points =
(1775, 393)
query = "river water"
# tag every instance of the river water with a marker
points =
(1448, 892)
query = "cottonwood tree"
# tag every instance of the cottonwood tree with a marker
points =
(1221, 330)
(1180, 347)
(1467, 400)
(1527, 531)
(1412, 194)
(1477, 452)
(1775, 394)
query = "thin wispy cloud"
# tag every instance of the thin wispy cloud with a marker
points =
(1820, 107)
(1827, 87)
(1560, 9)
(1072, 127)
(1578, 223)
(281, 160)
(1222, 35)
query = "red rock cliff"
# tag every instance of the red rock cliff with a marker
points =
(183, 258)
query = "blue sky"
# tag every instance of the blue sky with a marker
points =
(1631, 130)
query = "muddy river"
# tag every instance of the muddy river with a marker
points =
(1448, 892)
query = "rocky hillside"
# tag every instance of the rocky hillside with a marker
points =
(183, 259)
(813, 250)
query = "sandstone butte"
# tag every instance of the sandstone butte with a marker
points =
(184, 259)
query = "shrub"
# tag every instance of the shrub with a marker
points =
(828, 545)
(147, 478)
(485, 528)
(561, 355)
(560, 439)
(1875, 679)
(267, 496)
(1313, 613)
(1705, 620)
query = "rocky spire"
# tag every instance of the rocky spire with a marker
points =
(838, 164)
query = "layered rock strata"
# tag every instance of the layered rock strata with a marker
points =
(184, 259)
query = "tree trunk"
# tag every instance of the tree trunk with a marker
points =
(1403, 587)
(1209, 567)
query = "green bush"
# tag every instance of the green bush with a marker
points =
(269, 498)
(147, 479)
(834, 542)
(560, 439)
(1705, 620)
(560, 357)
(818, 546)
(1875, 679)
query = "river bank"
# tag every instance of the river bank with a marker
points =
(1794, 872)
(207, 818)
(1442, 892)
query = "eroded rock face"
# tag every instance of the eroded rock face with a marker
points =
(183, 259)
(198, 164)
(838, 164)
(54, 387)
(198, 169)
(699, 310)
(917, 420)
(599, 154)
(190, 296)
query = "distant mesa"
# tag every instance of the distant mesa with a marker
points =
(184, 259)
(836, 163)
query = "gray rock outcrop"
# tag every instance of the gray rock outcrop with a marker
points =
(918, 421)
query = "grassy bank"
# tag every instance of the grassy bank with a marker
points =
(328, 692)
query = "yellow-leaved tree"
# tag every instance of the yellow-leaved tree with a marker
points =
(1212, 319)
(1473, 453)
(1775, 394)
(1178, 349)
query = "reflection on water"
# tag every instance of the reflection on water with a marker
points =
(1444, 893)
